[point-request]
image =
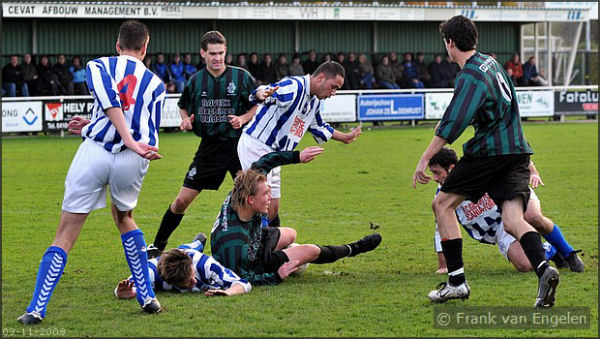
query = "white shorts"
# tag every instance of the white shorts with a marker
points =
(93, 168)
(250, 150)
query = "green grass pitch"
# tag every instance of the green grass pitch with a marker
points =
(329, 201)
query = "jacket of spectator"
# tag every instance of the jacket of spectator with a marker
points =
(352, 69)
(48, 79)
(295, 68)
(160, 68)
(398, 69)
(28, 69)
(422, 69)
(176, 71)
(267, 71)
(384, 71)
(282, 67)
(530, 72)
(253, 65)
(188, 68)
(310, 65)
(78, 73)
(11, 73)
(439, 75)
(62, 71)
(517, 69)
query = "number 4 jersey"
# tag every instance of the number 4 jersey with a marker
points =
(123, 82)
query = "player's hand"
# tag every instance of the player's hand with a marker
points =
(145, 151)
(535, 180)
(125, 290)
(216, 293)
(186, 124)
(353, 135)
(76, 124)
(420, 174)
(265, 92)
(236, 121)
(288, 268)
(309, 154)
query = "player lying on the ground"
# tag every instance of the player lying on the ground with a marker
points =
(483, 222)
(257, 252)
(187, 269)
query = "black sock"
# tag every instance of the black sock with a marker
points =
(275, 222)
(532, 246)
(330, 254)
(169, 223)
(453, 253)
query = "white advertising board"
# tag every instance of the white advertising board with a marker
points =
(22, 116)
(436, 104)
(170, 114)
(536, 103)
(339, 108)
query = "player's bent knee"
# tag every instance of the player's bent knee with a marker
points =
(288, 235)
(180, 204)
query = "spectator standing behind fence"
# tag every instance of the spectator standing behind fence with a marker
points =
(310, 65)
(188, 68)
(253, 66)
(385, 75)
(296, 68)
(48, 80)
(64, 76)
(451, 69)
(242, 61)
(30, 75)
(341, 59)
(12, 78)
(160, 68)
(398, 70)
(410, 72)
(366, 72)
(530, 73)
(78, 72)
(517, 69)
(352, 70)
(422, 70)
(267, 71)
(439, 76)
(176, 73)
(282, 67)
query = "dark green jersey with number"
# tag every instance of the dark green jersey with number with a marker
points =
(240, 245)
(484, 96)
(212, 99)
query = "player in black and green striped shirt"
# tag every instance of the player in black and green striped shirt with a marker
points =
(215, 105)
(495, 160)
(257, 252)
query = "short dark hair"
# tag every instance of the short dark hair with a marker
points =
(331, 69)
(133, 35)
(462, 31)
(444, 158)
(212, 37)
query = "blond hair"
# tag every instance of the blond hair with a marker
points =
(245, 185)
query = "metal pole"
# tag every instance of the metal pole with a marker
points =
(573, 55)
(549, 52)
(535, 42)
(296, 36)
(521, 43)
(375, 47)
(34, 38)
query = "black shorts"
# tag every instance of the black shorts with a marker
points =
(503, 177)
(273, 259)
(211, 162)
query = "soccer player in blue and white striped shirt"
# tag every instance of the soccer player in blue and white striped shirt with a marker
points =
(187, 269)
(288, 110)
(118, 144)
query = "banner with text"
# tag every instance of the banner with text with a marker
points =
(436, 104)
(375, 107)
(22, 116)
(58, 114)
(170, 114)
(339, 108)
(576, 102)
(536, 103)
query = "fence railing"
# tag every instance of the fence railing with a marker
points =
(52, 114)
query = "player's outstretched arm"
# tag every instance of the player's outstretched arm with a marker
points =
(233, 290)
(262, 92)
(125, 289)
(349, 137)
(115, 114)
(274, 159)
(420, 175)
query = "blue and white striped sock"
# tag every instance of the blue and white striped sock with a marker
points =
(135, 253)
(194, 245)
(51, 268)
